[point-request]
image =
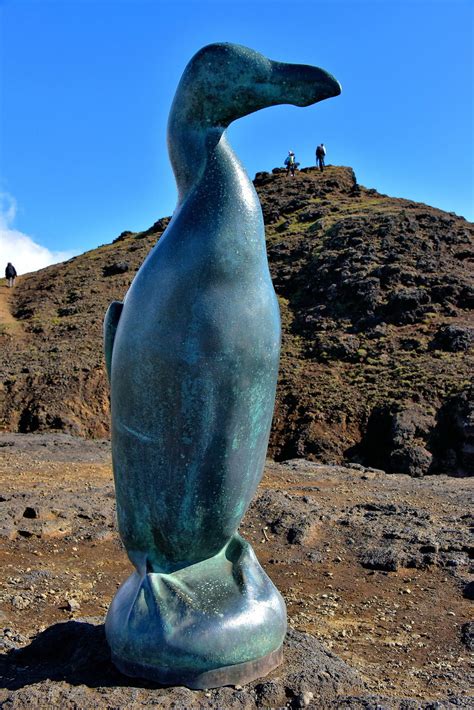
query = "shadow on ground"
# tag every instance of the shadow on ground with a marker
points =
(74, 651)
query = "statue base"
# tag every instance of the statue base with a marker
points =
(238, 674)
(217, 622)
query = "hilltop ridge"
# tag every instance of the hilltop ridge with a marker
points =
(376, 295)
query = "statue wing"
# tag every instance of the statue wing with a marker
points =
(111, 322)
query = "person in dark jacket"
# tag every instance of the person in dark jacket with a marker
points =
(10, 274)
(320, 155)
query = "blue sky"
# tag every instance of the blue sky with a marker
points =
(86, 87)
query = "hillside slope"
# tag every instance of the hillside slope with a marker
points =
(376, 296)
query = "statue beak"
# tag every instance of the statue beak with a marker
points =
(301, 84)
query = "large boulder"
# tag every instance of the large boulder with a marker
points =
(396, 440)
(453, 338)
(453, 438)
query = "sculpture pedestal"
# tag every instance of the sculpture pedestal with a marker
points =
(238, 674)
(217, 622)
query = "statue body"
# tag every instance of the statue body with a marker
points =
(193, 361)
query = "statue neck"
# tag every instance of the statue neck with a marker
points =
(203, 161)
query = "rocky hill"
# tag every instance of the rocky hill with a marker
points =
(375, 294)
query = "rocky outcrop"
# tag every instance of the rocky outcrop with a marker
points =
(453, 439)
(396, 440)
(453, 338)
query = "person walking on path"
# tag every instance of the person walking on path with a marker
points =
(290, 163)
(320, 155)
(10, 274)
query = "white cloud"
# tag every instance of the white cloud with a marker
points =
(24, 253)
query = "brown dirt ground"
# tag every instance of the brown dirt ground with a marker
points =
(8, 324)
(401, 630)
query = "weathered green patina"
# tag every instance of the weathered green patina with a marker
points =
(193, 362)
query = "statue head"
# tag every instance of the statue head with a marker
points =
(224, 81)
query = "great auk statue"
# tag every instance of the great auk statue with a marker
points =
(192, 356)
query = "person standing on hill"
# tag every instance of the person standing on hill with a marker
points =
(10, 274)
(320, 155)
(291, 164)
